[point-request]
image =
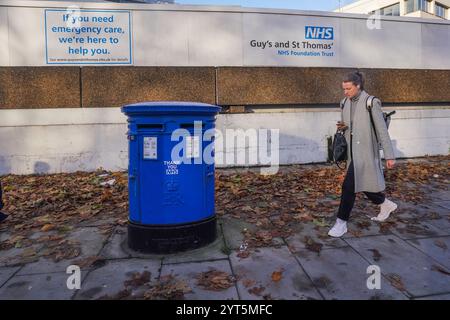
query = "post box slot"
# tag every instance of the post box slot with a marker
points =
(189, 125)
(155, 126)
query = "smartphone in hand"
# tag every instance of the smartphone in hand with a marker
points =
(341, 125)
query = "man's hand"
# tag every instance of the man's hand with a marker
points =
(390, 164)
(341, 126)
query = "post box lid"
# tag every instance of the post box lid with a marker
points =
(169, 107)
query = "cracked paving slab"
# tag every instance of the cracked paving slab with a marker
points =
(403, 264)
(256, 278)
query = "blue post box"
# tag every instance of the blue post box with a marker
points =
(170, 185)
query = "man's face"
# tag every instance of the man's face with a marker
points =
(350, 90)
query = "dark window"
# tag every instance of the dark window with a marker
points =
(415, 5)
(423, 5)
(393, 10)
(440, 10)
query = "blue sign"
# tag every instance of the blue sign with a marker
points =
(319, 33)
(88, 36)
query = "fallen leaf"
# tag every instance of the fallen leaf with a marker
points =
(321, 223)
(375, 254)
(440, 269)
(356, 233)
(138, 279)
(29, 252)
(257, 291)
(322, 282)
(215, 280)
(396, 281)
(47, 227)
(248, 283)
(304, 217)
(312, 245)
(243, 254)
(168, 287)
(277, 275)
(441, 244)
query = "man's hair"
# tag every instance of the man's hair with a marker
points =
(357, 78)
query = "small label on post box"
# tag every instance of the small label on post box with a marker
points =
(192, 147)
(150, 148)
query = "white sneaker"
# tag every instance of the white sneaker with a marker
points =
(385, 210)
(339, 228)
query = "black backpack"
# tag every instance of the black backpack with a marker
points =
(338, 150)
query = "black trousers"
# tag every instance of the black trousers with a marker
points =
(348, 195)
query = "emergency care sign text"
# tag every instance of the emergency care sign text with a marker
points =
(88, 37)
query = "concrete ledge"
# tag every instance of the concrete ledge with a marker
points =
(270, 85)
(88, 116)
(39, 87)
(72, 87)
(402, 85)
(116, 86)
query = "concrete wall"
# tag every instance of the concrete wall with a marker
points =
(66, 140)
(171, 35)
(66, 118)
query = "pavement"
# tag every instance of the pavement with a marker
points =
(413, 263)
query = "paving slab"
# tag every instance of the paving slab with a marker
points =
(436, 297)
(444, 204)
(90, 241)
(272, 273)
(97, 222)
(440, 208)
(19, 256)
(308, 232)
(38, 287)
(4, 236)
(342, 274)
(404, 265)
(189, 272)
(214, 251)
(360, 225)
(440, 195)
(232, 230)
(108, 281)
(417, 229)
(6, 273)
(116, 247)
(435, 215)
(437, 248)
(442, 224)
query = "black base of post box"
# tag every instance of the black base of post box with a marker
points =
(171, 238)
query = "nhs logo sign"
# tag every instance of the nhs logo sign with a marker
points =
(321, 33)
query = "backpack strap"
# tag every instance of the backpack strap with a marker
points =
(369, 102)
(343, 101)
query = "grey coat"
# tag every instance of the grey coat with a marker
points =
(367, 160)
